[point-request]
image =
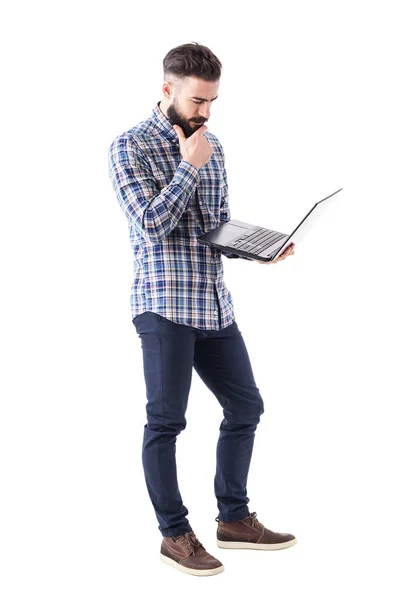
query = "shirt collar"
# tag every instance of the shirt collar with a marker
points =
(164, 123)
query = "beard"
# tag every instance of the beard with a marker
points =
(188, 127)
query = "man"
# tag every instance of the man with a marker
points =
(169, 176)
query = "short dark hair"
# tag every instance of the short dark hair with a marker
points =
(192, 60)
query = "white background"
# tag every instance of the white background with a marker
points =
(308, 103)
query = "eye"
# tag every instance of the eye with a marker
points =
(197, 102)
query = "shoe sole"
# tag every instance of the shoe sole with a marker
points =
(198, 572)
(254, 546)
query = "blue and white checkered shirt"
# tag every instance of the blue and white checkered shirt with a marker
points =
(169, 204)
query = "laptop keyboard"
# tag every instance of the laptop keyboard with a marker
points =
(257, 240)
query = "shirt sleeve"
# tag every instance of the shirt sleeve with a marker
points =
(153, 212)
(225, 212)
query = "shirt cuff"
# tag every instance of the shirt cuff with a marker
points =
(186, 174)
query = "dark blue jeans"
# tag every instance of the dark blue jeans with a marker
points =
(170, 351)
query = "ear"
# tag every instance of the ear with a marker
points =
(167, 89)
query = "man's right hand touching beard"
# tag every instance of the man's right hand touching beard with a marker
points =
(195, 149)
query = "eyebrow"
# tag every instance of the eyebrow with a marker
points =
(205, 99)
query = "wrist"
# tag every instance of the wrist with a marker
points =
(193, 164)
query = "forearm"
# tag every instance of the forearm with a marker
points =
(165, 210)
(156, 215)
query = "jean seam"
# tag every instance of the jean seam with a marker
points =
(161, 376)
(163, 402)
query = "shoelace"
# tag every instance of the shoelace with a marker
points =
(189, 541)
(254, 522)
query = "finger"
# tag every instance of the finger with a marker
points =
(201, 130)
(180, 133)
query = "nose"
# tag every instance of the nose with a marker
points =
(205, 111)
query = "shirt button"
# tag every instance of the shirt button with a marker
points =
(215, 312)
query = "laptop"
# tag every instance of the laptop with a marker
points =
(257, 242)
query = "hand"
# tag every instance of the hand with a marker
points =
(196, 149)
(287, 252)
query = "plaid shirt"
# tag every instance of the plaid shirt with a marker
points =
(168, 204)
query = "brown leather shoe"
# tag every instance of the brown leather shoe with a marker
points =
(187, 554)
(250, 533)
